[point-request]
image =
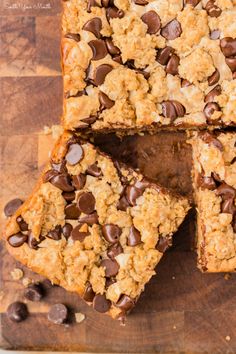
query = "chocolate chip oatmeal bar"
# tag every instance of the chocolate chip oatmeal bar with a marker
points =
(147, 64)
(214, 180)
(94, 226)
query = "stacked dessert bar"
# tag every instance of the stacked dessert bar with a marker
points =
(94, 225)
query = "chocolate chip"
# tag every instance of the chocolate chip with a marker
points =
(142, 185)
(109, 282)
(134, 237)
(59, 167)
(94, 25)
(123, 204)
(132, 194)
(194, 3)
(72, 212)
(17, 240)
(101, 73)
(58, 314)
(101, 304)
(68, 196)
(114, 250)
(215, 175)
(210, 139)
(62, 182)
(34, 292)
(118, 59)
(90, 219)
(79, 181)
(94, 170)
(212, 9)
(179, 108)
(49, 175)
(22, 224)
(152, 20)
(12, 206)
(164, 54)
(185, 83)
(206, 182)
(214, 78)
(105, 101)
(172, 65)
(216, 91)
(114, 12)
(112, 49)
(32, 241)
(86, 203)
(99, 49)
(225, 191)
(67, 229)
(172, 109)
(92, 3)
(231, 62)
(111, 267)
(111, 233)
(89, 294)
(172, 30)
(215, 34)
(106, 3)
(125, 303)
(17, 311)
(75, 154)
(141, 2)
(228, 206)
(89, 120)
(78, 233)
(74, 36)
(56, 233)
(210, 108)
(164, 243)
(228, 46)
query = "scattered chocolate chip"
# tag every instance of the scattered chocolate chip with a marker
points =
(22, 224)
(214, 78)
(134, 237)
(194, 3)
(101, 73)
(89, 294)
(172, 65)
(90, 219)
(17, 240)
(114, 12)
(99, 49)
(206, 182)
(132, 194)
(185, 83)
(114, 250)
(111, 233)
(228, 46)
(215, 34)
(49, 175)
(172, 109)
(12, 206)
(172, 30)
(225, 191)
(94, 25)
(62, 182)
(164, 55)
(179, 108)
(72, 212)
(216, 91)
(231, 62)
(67, 229)
(101, 304)
(74, 36)
(68, 196)
(75, 154)
(105, 101)
(210, 139)
(111, 267)
(78, 233)
(212, 9)
(123, 203)
(228, 206)
(118, 59)
(164, 243)
(112, 49)
(94, 170)
(34, 292)
(58, 314)
(56, 233)
(86, 203)
(125, 303)
(17, 311)
(79, 181)
(152, 20)
(210, 108)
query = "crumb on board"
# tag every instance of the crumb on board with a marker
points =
(17, 274)
(27, 281)
(55, 130)
(79, 317)
(227, 276)
(227, 338)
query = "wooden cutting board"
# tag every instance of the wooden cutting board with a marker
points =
(181, 310)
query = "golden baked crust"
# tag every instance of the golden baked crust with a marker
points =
(159, 64)
(214, 181)
(120, 223)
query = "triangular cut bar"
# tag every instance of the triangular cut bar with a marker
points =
(95, 226)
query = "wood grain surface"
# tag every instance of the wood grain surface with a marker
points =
(181, 310)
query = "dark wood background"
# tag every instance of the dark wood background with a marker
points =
(181, 310)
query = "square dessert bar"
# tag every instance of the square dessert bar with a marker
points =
(214, 180)
(148, 64)
(94, 226)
